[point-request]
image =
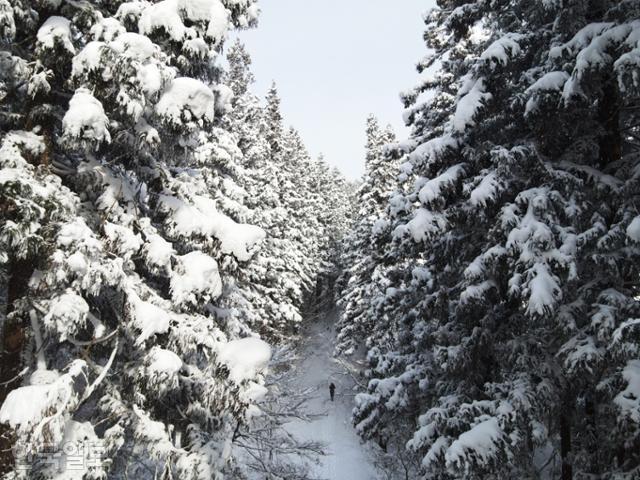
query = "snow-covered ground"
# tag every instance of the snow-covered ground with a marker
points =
(347, 458)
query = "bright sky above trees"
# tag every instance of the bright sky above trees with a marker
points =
(335, 62)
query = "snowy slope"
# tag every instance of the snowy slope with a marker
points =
(347, 458)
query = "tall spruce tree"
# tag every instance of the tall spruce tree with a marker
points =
(117, 202)
(275, 129)
(273, 279)
(138, 181)
(361, 256)
(512, 272)
(294, 199)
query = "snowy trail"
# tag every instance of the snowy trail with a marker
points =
(347, 458)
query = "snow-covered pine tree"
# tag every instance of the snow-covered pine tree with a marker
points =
(286, 196)
(513, 272)
(239, 77)
(300, 203)
(246, 120)
(117, 169)
(335, 199)
(302, 227)
(275, 130)
(270, 287)
(319, 207)
(360, 254)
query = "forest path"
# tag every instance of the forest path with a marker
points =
(347, 458)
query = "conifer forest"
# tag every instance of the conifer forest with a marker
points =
(188, 293)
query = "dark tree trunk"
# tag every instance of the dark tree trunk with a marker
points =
(13, 342)
(609, 116)
(565, 442)
(592, 433)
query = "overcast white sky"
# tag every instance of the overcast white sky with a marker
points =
(336, 61)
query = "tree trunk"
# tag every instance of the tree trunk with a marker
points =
(13, 342)
(565, 442)
(609, 116)
(592, 433)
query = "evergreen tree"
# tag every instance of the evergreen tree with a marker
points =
(289, 198)
(275, 131)
(283, 198)
(118, 197)
(239, 76)
(362, 257)
(273, 294)
(506, 326)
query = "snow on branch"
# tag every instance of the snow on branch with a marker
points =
(186, 101)
(173, 16)
(245, 358)
(85, 123)
(469, 104)
(56, 31)
(202, 217)
(480, 446)
(503, 49)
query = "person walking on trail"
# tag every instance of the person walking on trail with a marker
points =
(332, 390)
